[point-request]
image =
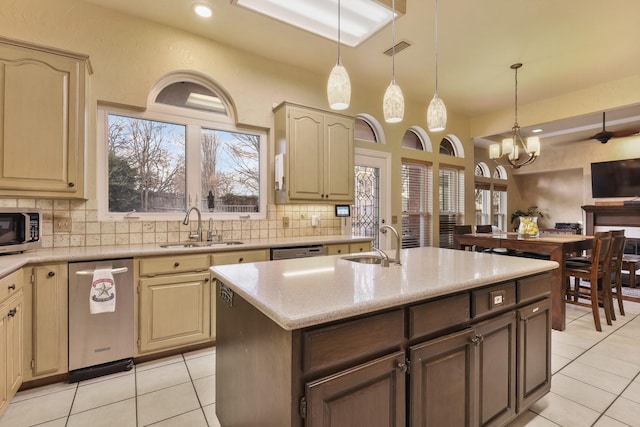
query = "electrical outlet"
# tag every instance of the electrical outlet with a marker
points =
(61, 224)
(285, 221)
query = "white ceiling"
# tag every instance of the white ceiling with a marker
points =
(565, 46)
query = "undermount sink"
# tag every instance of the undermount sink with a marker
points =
(199, 244)
(364, 259)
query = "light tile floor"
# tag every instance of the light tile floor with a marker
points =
(596, 382)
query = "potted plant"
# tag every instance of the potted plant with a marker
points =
(528, 224)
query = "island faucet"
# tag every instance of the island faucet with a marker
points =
(198, 234)
(385, 258)
(396, 261)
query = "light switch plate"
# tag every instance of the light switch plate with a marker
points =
(62, 224)
(285, 221)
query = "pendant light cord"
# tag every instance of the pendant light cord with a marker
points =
(436, 47)
(516, 99)
(393, 40)
(339, 60)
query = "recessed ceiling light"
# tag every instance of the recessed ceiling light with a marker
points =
(203, 10)
(537, 130)
(359, 18)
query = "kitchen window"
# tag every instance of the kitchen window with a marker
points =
(416, 204)
(161, 162)
(451, 198)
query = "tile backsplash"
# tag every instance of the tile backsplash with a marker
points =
(87, 230)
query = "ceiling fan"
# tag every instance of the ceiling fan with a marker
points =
(604, 136)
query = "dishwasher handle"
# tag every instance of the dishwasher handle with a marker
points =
(90, 272)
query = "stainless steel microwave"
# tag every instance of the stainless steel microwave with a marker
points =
(20, 229)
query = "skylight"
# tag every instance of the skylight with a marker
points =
(359, 19)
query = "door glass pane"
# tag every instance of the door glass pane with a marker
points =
(230, 171)
(366, 209)
(146, 165)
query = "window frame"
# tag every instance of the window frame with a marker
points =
(193, 124)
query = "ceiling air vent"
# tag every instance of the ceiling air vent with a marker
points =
(400, 46)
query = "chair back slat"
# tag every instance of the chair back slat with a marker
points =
(484, 228)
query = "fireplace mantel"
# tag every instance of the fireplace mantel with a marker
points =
(608, 216)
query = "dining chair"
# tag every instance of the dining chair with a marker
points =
(463, 229)
(617, 252)
(484, 228)
(597, 272)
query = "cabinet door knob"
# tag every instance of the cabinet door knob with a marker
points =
(339, 251)
(477, 339)
(12, 286)
(240, 259)
(176, 264)
(12, 312)
(71, 184)
(51, 273)
(206, 280)
(402, 367)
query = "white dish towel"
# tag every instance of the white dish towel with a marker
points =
(102, 298)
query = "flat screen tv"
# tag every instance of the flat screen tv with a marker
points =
(620, 178)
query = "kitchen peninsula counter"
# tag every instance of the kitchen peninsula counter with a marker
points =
(458, 338)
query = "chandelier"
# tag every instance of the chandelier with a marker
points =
(513, 148)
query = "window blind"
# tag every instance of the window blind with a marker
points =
(416, 204)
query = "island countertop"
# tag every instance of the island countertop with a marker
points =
(305, 292)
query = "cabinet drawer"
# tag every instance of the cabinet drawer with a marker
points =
(10, 285)
(494, 298)
(533, 287)
(351, 341)
(239, 256)
(173, 264)
(337, 249)
(359, 247)
(441, 314)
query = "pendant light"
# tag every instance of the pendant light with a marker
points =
(339, 86)
(437, 112)
(512, 148)
(393, 101)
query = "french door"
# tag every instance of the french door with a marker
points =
(371, 196)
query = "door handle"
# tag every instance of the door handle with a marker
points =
(90, 272)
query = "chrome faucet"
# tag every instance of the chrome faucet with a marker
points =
(385, 258)
(396, 261)
(198, 234)
(213, 232)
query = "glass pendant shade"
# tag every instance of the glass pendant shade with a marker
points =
(436, 114)
(339, 88)
(393, 103)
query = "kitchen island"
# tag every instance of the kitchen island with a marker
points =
(447, 338)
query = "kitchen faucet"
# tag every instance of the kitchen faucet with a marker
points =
(213, 232)
(198, 234)
(385, 258)
(398, 242)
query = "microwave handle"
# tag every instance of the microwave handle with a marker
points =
(27, 227)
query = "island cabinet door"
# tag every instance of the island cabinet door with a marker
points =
(443, 381)
(534, 352)
(496, 345)
(371, 394)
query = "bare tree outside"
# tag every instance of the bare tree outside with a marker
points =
(155, 151)
(230, 170)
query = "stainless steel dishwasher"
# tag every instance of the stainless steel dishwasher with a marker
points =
(298, 252)
(100, 343)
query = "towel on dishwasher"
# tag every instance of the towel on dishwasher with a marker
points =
(102, 298)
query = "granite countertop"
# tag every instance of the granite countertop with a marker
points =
(310, 291)
(11, 262)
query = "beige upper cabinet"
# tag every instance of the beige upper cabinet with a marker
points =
(318, 154)
(42, 111)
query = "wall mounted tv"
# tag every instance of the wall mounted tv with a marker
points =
(620, 178)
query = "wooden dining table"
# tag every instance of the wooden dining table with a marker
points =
(557, 247)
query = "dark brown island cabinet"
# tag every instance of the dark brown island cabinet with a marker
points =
(479, 357)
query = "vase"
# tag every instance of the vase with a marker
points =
(528, 226)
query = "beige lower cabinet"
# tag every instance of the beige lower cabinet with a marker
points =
(360, 247)
(337, 249)
(235, 257)
(11, 341)
(173, 302)
(348, 248)
(46, 337)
